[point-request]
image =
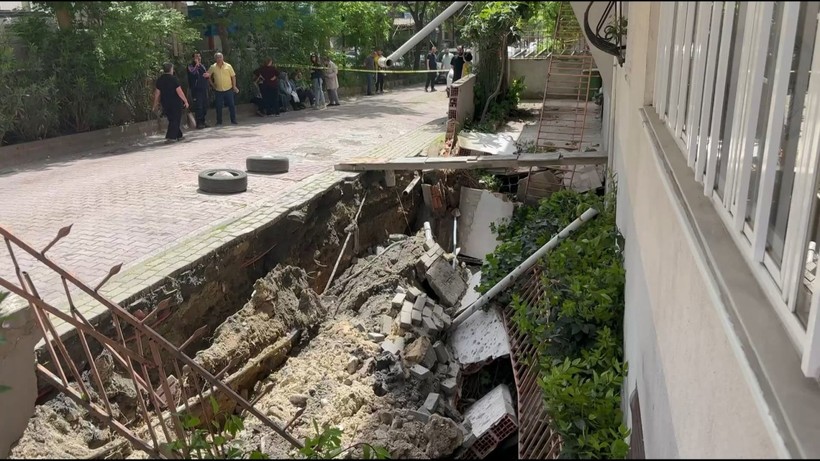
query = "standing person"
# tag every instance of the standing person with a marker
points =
(268, 76)
(370, 66)
(223, 81)
(332, 75)
(170, 94)
(432, 67)
(316, 76)
(458, 63)
(198, 84)
(379, 75)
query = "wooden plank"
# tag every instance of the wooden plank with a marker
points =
(477, 162)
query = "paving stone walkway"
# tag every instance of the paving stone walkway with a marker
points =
(138, 202)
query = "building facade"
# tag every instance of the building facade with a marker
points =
(713, 126)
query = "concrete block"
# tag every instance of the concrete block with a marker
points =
(398, 300)
(429, 325)
(449, 386)
(438, 322)
(419, 371)
(446, 283)
(432, 401)
(442, 354)
(413, 293)
(400, 290)
(454, 370)
(420, 416)
(387, 324)
(429, 360)
(442, 369)
(426, 310)
(416, 318)
(406, 315)
(431, 303)
(375, 337)
(438, 310)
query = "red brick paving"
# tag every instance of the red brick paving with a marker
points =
(139, 200)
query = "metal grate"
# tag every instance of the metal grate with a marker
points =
(166, 381)
(536, 438)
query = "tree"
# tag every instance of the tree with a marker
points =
(421, 11)
(491, 25)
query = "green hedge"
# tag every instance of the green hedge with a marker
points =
(578, 327)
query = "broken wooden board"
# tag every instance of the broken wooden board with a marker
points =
(474, 162)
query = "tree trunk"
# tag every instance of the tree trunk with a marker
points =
(222, 29)
(65, 17)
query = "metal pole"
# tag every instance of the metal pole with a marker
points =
(422, 34)
(344, 246)
(507, 281)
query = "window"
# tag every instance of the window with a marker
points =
(733, 86)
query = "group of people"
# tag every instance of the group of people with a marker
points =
(371, 64)
(276, 90)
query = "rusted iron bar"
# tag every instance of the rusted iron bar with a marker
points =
(164, 304)
(112, 272)
(196, 335)
(60, 234)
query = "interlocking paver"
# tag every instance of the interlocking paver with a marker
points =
(129, 207)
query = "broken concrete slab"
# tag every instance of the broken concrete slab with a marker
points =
(471, 295)
(394, 346)
(445, 282)
(479, 210)
(480, 339)
(420, 372)
(486, 143)
(491, 409)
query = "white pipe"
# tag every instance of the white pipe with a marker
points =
(420, 35)
(428, 232)
(508, 280)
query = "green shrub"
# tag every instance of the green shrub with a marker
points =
(577, 326)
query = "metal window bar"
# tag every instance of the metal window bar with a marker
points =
(167, 382)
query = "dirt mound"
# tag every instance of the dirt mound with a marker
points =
(372, 280)
(281, 301)
(59, 429)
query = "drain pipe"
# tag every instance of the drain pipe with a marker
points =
(347, 240)
(456, 249)
(507, 281)
(422, 34)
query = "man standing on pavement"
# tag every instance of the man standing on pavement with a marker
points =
(379, 75)
(223, 81)
(170, 94)
(370, 67)
(457, 64)
(432, 68)
(198, 84)
(268, 76)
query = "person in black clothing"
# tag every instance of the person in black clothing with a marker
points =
(198, 84)
(379, 75)
(458, 64)
(432, 67)
(170, 94)
(268, 78)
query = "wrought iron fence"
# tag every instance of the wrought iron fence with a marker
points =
(166, 381)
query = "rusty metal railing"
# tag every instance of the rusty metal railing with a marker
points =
(536, 438)
(167, 382)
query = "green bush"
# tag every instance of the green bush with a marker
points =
(577, 326)
(500, 109)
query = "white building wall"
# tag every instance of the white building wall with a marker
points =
(695, 399)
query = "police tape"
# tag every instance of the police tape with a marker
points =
(368, 71)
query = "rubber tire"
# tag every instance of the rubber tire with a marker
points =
(267, 164)
(216, 185)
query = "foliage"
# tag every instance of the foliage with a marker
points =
(616, 29)
(220, 441)
(489, 181)
(578, 322)
(327, 444)
(501, 111)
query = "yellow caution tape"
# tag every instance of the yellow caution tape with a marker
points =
(365, 71)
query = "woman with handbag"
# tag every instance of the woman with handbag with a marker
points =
(170, 94)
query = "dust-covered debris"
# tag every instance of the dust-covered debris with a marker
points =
(281, 301)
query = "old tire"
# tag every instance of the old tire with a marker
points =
(223, 181)
(267, 164)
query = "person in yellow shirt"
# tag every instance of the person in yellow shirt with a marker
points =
(223, 81)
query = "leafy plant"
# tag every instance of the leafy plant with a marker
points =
(616, 29)
(577, 324)
(220, 440)
(327, 444)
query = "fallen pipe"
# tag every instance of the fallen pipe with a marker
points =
(508, 280)
(428, 232)
(421, 35)
(412, 184)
